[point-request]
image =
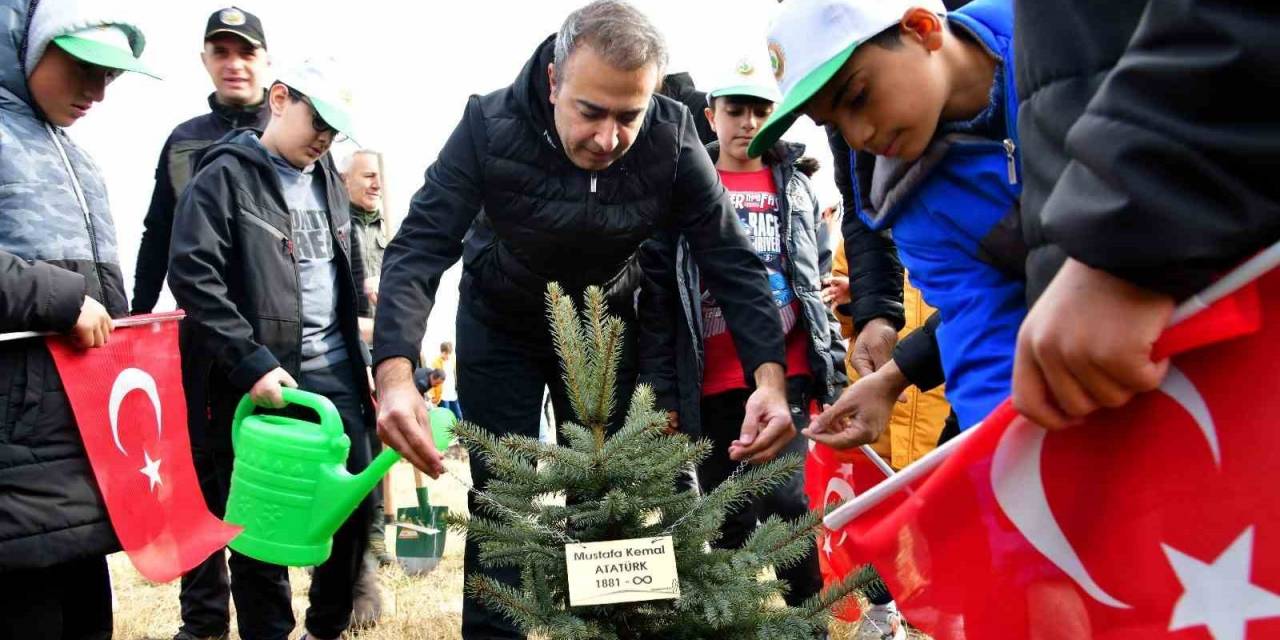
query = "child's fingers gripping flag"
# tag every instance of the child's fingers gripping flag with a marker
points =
(1160, 519)
(128, 402)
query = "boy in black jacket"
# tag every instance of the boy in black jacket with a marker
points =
(263, 263)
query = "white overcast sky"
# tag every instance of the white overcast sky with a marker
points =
(414, 64)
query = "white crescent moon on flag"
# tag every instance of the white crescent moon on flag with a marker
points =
(843, 489)
(1176, 385)
(1018, 484)
(132, 380)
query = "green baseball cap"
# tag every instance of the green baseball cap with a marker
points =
(105, 46)
(811, 40)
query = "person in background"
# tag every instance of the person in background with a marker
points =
(446, 394)
(59, 273)
(362, 172)
(235, 57)
(362, 175)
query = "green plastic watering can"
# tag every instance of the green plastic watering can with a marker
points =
(442, 423)
(290, 488)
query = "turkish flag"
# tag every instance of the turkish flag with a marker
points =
(832, 476)
(1157, 520)
(128, 401)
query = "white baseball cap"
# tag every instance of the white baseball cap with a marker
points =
(326, 86)
(746, 75)
(810, 40)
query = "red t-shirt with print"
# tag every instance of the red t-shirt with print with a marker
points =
(755, 197)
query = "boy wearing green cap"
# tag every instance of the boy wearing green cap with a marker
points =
(687, 353)
(59, 272)
(931, 94)
(265, 265)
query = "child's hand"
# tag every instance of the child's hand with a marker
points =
(93, 326)
(863, 411)
(835, 291)
(267, 391)
(673, 423)
(1072, 360)
(874, 346)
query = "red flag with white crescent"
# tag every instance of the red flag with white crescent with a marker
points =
(1160, 519)
(128, 402)
(833, 476)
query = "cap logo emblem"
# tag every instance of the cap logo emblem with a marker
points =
(231, 17)
(745, 68)
(778, 59)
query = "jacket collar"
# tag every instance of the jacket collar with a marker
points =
(366, 217)
(532, 92)
(255, 115)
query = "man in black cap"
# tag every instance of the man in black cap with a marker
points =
(235, 55)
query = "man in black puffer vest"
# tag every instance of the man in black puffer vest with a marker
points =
(560, 177)
(1150, 172)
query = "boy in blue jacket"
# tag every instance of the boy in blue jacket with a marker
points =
(931, 95)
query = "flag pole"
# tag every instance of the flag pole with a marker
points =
(131, 321)
(1247, 272)
(877, 460)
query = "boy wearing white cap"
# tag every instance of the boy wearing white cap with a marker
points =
(59, 272)
(931, 94)
(265, 265)
(687, 352)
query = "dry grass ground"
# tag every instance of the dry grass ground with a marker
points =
(427, 607)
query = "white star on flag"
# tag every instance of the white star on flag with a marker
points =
(1219, 595)
(151, 470)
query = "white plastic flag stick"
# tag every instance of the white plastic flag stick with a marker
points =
(1250, 270)
(134, 321)
(877, 460)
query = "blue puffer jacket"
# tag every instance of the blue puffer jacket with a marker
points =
(954, 214)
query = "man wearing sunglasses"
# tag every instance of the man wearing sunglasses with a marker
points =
(266, 267)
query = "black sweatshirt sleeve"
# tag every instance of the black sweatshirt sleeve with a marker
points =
(727, 263)
(429, 241)
(1172, 174)
(918, 357)
(157, 227)
(38, 296)
(875, 273)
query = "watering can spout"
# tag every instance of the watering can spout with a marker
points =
(350, 489)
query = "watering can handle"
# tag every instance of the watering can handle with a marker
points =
(330, 420)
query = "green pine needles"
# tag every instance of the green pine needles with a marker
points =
(623, 486)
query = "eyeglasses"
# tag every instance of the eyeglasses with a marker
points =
(317, 122)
